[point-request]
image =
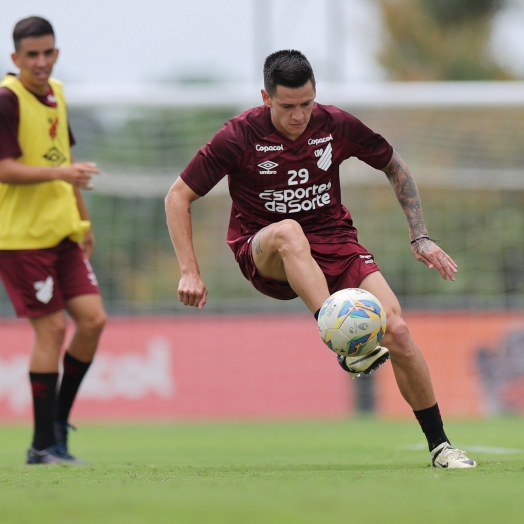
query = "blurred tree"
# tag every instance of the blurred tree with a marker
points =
(439, 40)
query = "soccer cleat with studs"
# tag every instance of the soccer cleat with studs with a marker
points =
(61, 449)
(43, 456)
(355, 366)
(445, 456)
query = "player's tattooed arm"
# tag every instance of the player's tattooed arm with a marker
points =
(407, 194)
(424, 249)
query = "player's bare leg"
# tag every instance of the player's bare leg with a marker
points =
(88, 313)
(281, 252)
(89, 316)
(50, 332)
(413, 379)
(409, 365)
(43, 374)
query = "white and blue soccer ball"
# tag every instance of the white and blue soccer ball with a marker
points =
(352, 322)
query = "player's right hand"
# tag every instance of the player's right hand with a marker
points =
(192, 291)
(79, 174)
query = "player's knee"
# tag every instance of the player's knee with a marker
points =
(93, 323)
(397, 337)
(53, 332)
(289, 236)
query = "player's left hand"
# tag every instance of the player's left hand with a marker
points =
(427, 252)
(88, 244)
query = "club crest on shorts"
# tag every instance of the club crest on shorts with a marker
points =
(44, 289)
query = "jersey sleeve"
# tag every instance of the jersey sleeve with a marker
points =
(9, 121)
(215, 160)
(363, 143)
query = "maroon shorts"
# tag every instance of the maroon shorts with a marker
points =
(344, 265)
(40, 281)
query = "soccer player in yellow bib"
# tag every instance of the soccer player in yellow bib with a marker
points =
(45, 235)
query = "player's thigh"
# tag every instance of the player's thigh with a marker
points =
(271, 243)
(376, 283)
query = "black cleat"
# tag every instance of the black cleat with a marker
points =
(43, 456)
(60, 449)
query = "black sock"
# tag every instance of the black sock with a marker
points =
(43, 387)
(431, 423)
(74, 372)
(316, 314)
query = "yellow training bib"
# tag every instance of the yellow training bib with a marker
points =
(37, 216)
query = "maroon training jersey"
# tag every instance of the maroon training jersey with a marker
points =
(272, 178)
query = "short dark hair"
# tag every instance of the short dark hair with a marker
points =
(288, 68)
(32, 26)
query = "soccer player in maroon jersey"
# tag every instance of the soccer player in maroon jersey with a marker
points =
(289, 231)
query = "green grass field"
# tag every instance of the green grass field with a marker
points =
(357, 471)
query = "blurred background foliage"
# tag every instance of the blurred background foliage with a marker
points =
(141, 139)
(439, 40)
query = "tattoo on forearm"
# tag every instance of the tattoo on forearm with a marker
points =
(189, 210)
(406, 190)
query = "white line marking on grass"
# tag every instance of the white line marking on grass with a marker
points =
(496, 451)
(415, 447)
(476, 449)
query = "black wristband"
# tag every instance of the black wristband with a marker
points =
(415, 240)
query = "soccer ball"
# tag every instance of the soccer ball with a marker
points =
(352, 322)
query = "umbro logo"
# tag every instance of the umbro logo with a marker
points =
(268, 167)
(268, 164)
(39, 389)
(44, 289)
(55, 156)
(325, 161)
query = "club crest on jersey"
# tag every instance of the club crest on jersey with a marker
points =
(325, 160)
(268, 166)
(53, 128)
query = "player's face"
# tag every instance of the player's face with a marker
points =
(291, 108)
(35, 58)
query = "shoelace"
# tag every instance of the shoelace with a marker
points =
(61, 451)
(457, 454)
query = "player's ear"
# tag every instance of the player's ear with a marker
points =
(14, 58)
(266, 98)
